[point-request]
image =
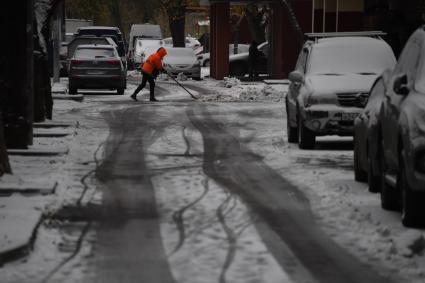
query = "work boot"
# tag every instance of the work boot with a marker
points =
(153, 99)
(134, 97)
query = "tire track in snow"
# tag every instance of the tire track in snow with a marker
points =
(178, 217)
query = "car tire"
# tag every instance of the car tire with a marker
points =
(411, 203)
(292, 132)
(359, 174)
(196, 78)
(72, 90)
(120, 90)
(238, 69)
(374, 181)
(306, 137)
(389, 196)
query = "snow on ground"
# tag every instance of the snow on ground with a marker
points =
(189, 201)
(349, 213)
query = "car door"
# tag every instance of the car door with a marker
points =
(294, 88)
(407, 66)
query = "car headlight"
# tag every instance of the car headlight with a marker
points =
(362, 99)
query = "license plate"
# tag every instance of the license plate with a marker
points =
(349, 116)
(94, 73)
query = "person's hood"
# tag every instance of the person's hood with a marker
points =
(162, 52)
(331, 84)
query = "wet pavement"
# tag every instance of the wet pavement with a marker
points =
(193, 192)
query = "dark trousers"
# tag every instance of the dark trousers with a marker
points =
(147, 78)
(253, 68)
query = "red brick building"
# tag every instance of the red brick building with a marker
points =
(312, 16)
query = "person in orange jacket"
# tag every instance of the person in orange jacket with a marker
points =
(150, 69)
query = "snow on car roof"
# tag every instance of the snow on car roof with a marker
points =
(93, 46)
(333, 41)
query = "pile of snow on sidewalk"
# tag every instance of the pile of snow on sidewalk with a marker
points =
(232, 89)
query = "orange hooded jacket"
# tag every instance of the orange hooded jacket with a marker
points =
(154, 61)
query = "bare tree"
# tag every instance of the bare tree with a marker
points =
(294, 22)
(176, 11)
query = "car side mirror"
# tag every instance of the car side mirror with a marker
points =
(296, 77)
(400, 86)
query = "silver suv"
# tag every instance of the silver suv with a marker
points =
(331, 82)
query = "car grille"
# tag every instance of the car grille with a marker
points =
(347, 99)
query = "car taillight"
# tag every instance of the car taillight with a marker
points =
(114, 62)
(76, 62)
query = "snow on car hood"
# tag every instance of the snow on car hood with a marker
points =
(340, 83)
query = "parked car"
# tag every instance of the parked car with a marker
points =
(102, 31)
(141, 32)
(401, 139)
(98, 67)
(366, 134)
(332, 76)
(204, 58)
(179, 60)
(189, 42)
(239, 63)
(141, 44)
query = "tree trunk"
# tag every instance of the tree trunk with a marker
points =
(294, 23)
(4, 159)
(254, 19)
(177, 18)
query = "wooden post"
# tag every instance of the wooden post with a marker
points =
(220, 35)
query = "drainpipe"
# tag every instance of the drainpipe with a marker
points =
(324, 15)
(337, 15)
(312, 16)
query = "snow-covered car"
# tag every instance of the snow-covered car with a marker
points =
(182, 60)
(204, 58)
(332, 76)
(141, 31)
(97, 67)
(104, 31)
(366, 133)
(189, 42)
(239, 63)
(402, 134)
(140, 45)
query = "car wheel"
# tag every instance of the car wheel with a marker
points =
(306, 137)
(72, 90)
(359, 174)
(238, 69)
(120, 91)
(374, 181)
(292, 132)
(411, 202)
(388, 195)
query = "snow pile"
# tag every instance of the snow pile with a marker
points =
(229, 82)
(409, 244)
(267, 93)
(218, 98)
(134, 74)
(181, 77)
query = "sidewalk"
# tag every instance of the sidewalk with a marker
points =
(47, 175)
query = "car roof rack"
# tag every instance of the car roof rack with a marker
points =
(317, 36)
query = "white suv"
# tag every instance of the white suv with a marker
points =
(331, 82)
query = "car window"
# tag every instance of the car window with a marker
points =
(302, 60)
(376, 93)
(92, 53)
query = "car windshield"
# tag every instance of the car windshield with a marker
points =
(350, 58)
(180, 56)
(92, 53)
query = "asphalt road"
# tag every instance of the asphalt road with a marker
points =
(163, 147)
